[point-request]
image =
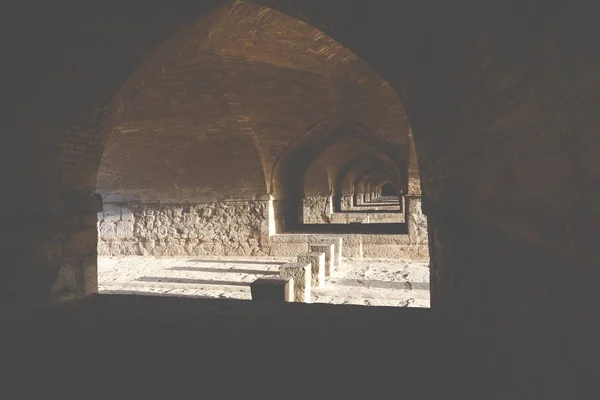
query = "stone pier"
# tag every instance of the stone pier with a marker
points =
(317, 262)
(276, 289)
(329, 250)
(302, 275)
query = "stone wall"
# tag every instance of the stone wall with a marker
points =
(220, 228)
(367, 217)
(317, 210)
(355, 246)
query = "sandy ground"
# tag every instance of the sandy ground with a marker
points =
(369, 282)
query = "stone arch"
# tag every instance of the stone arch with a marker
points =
(192, 39)
(357, 165)
(490, 103)
(360, 160)
(387, 188)
(365, 173)
(321, 135)
(290, 167)
(368, 181)
(195, 38)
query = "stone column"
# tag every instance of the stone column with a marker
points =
(416, 221)
(279, 289)
(286, 214)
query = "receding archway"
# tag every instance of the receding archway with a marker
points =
(389, 190)
(487, 98)
(208, 153)
(289, 171)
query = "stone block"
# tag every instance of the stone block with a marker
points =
(111, 212)
(90, 275)
(302, 274)
(287, 249)
(329, 250)
(317, 262)
(107, 231)
(124, 229)
(280, 289)
(339, 247)
(337, 242)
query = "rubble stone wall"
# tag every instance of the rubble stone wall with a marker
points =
(317, 210)
(220, 228)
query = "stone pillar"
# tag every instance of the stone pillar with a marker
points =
(280, 289)
(338, 248)
(329, 250)
(346, 202)
(329, 207)
(51, 255)
(302, 274)
(286, 214)
(401, 200)
(317, 262)
(276, 217)
(416, 221)
(513, 322)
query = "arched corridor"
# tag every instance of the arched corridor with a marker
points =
(388, 190)
(244, 128)
(256, 151)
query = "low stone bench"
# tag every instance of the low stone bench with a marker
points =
(302, 275)
(277, 289)
(329, 250)
(317, 262)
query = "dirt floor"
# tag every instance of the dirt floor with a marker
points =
(369, 282)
